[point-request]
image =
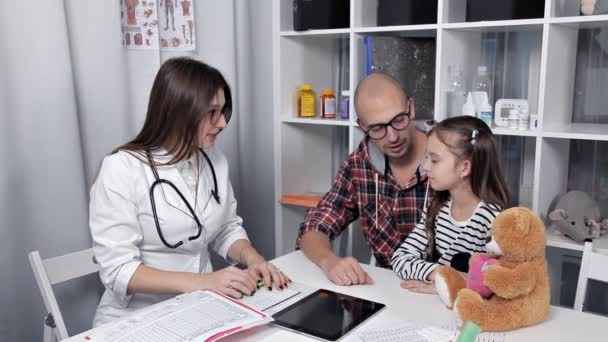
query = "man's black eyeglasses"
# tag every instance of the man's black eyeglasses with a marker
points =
(399, 122)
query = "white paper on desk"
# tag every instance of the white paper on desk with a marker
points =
(263, 299)
(198, 316)
(407, 331)
(414, 332)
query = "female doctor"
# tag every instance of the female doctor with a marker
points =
(162, 199)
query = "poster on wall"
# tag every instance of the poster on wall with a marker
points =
(139, 24)
(154, 24)
(176, 25)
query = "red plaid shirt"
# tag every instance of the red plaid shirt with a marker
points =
(353, 195)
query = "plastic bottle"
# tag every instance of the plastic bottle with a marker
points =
(533, 122)
(344, 108)
(485, 111)
(469, 332)
(328, 104)
(481, 83)
(306, 101)
(468, 108)
(456, 92)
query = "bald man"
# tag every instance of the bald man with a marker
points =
(381, 182)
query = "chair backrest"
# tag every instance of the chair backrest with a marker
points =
(593, 266)
(51, 271)
(372, 260)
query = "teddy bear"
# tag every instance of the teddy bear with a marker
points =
(519, 283)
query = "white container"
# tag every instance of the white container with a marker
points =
(533, 122)
(485, 111)
(456, 91)
(513, 119)
(468, 108)
(524, 121)
(481, 83)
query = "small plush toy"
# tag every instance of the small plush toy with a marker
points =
(458, 278)
(477, 266)
(520, 283)
(577, 215)
(593, 7)
(587, 7)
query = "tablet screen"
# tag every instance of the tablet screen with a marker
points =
(326, 314)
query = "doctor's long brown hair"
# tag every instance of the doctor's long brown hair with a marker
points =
(486, 178)
(179, 101)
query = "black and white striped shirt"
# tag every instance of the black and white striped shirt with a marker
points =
(451, 237)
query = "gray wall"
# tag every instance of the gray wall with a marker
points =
(256, 199)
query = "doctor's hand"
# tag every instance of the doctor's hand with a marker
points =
(269, 273)
(345, 271)
(230, 281)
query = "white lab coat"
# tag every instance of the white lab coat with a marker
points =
(124, 233)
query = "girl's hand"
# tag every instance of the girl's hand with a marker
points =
(269, 273)
(419, 286)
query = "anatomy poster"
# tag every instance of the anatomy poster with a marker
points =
(139, 24)
(154, 24)
(176, 25)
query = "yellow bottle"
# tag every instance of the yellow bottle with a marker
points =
(306, 101)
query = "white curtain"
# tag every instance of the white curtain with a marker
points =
(69, 94)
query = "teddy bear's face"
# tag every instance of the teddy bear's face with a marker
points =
(517, 235)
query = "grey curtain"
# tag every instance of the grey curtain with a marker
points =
(69, 94)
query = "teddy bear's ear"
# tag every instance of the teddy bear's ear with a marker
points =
(522, 220)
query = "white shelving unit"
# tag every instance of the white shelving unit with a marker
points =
(308, 152)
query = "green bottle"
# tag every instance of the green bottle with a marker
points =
(469, 332)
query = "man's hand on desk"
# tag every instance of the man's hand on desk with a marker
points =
(345, 271)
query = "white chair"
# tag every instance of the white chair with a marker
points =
(51, 271)
(593, 266)
(372, 260)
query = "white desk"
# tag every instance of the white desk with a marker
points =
(563, 325)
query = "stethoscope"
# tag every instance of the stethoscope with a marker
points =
(159, 181)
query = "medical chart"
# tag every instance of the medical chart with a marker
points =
(167, 25)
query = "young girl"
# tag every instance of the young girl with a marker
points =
(470, 190)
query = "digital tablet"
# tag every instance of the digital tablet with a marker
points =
(326, 315)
